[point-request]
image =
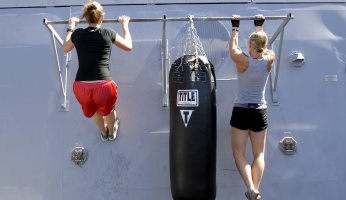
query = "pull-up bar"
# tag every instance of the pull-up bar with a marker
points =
(63, 83)
(177, 19)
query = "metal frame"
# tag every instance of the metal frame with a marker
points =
(276, 69)
(165, 57)
(63, 82)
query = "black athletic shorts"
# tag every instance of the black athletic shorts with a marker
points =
(249, 118)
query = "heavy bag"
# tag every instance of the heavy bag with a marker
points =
(192, 136)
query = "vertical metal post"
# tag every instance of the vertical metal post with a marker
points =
(276, 68)
(278, 60)
(275, 96)
(164, 64)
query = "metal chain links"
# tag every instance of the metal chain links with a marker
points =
(190, 40)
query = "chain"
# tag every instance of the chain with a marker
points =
(191, 42)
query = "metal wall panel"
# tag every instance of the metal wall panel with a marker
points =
(30, 147)
(36, 138)
(49, 3)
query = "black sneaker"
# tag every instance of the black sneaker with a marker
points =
(104, 137)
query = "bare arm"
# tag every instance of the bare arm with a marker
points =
(259, 20)
(259, 29)
(68, 45)
(237, 55)
(271, 58)
(125, 42)
(233, 45)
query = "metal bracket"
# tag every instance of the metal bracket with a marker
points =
(274, 75)
(297, 59)
(63, 81)
(288, 145)
(78, 156)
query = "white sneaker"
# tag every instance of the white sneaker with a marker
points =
(252, 194)
(116, 127)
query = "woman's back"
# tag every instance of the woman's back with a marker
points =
(252, 82)
(94, 46)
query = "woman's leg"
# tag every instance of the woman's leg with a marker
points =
(258, 142)
(239, 138)
(110, 119)
(98, 119)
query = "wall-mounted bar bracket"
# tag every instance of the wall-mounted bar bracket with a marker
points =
(62, 80)
(274, 75)
(165, 67)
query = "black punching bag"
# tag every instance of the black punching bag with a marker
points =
(192, 137)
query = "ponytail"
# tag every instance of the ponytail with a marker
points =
(93, 12)
(258, 40)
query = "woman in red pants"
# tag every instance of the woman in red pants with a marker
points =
(93, 87)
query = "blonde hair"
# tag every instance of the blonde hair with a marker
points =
(93, 12)
(258, 40)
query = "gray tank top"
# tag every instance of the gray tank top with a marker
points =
(252, 82)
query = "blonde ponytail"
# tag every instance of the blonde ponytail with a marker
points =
(258, 40)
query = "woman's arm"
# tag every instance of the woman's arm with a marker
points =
(233, 44)
(237, 55)
(271, 58)
(125, 42)
(259, 20)
(68, 45)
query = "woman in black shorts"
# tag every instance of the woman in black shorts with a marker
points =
(249, 115)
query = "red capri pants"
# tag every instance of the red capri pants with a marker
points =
(97, 96)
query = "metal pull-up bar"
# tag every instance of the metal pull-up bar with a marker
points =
(273, 82)
(172, 19)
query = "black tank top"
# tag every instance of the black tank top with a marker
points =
(94, 46)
